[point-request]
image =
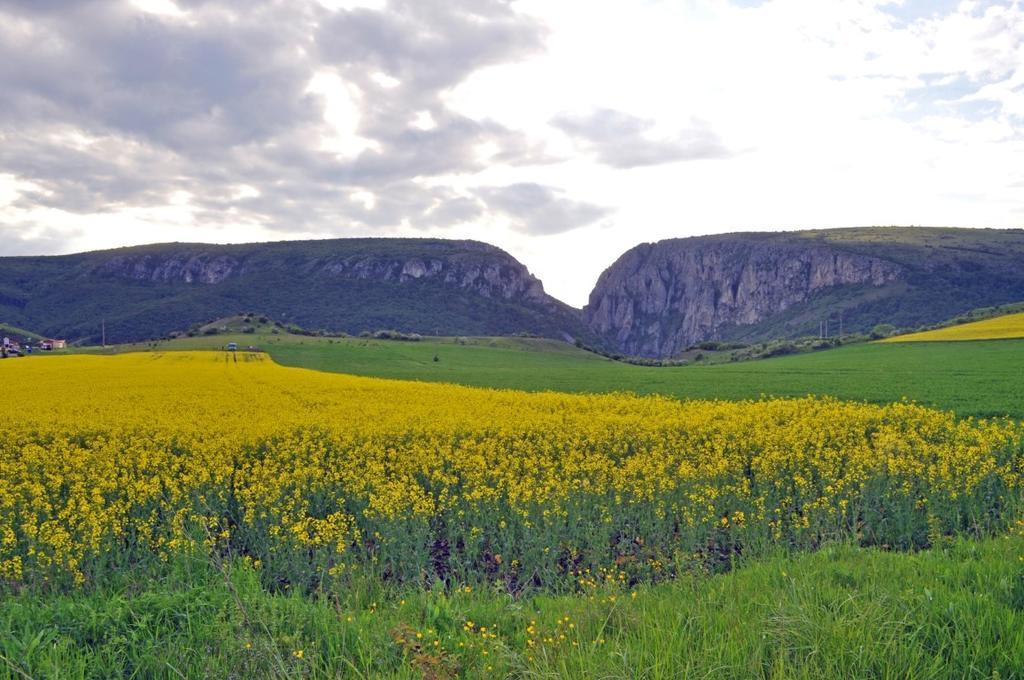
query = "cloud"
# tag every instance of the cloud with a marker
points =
(109, 107)
(540, 210)
(624, 141)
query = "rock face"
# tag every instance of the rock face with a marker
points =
(474, 267)
(185, 268)
(658, 299)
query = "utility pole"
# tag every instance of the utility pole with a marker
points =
(840, 325)
(826, 327)
(103, 331)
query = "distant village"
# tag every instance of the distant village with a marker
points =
(20, 346)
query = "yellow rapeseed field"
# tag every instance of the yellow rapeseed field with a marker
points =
(128, 462)
(998, 328)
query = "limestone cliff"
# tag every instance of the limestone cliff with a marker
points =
(658, 299)
(465, 265)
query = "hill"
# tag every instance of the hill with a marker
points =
(414, 285)
(655, 301)
(660, 298)
(18, 334)
(998, 328)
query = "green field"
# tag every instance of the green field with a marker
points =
(981, 378)
(953, 611)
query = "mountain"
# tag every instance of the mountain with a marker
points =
(654, 301)
(659, 298)
(426, 286)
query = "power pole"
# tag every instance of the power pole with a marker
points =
(840, 325)
(103, 331)
(826, 327)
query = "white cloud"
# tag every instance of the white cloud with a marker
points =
(164, 7)
(423, 120)
(341, 113)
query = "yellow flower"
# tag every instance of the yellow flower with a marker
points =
(181, 453)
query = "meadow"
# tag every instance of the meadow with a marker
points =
(219, 511)
(980, 378)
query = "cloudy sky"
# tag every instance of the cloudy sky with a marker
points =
(564, 131)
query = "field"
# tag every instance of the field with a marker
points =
(998, 328)
(980, 378)
(205, 511)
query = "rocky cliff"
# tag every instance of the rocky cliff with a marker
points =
(658, 299)
(466, 265)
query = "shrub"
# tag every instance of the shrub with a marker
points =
(882, 330)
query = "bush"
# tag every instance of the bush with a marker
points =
(781, 349)
(882, 330)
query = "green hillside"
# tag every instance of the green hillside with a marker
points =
(17, 333)
(980, 378)
(427, 286)
(948, 271)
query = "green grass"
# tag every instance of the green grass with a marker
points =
(842, 612)
(981, 378)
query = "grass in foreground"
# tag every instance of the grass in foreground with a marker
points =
(998, 328)
(842, 612)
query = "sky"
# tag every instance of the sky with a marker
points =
(563, 131)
